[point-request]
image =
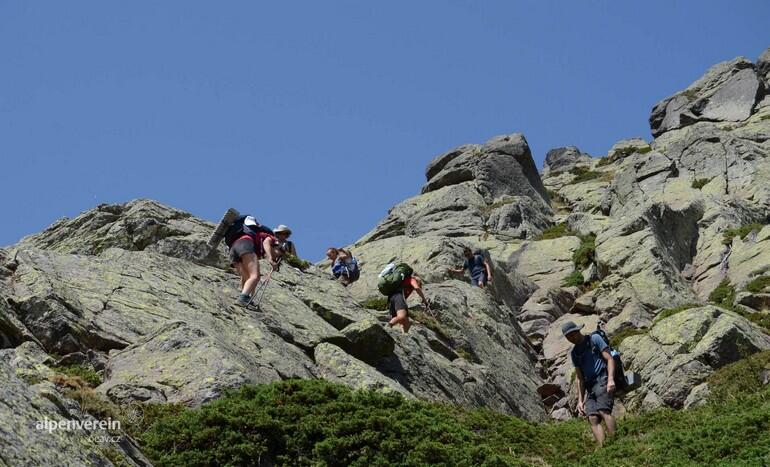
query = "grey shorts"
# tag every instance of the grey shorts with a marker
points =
(598, 399)
(240, 248)
(397, 302)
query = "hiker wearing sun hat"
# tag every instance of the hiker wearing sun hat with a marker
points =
(595, 370)
(282, 233)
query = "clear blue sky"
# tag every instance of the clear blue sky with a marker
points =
(322, 115)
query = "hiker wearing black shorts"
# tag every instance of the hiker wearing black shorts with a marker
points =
(399, 311)
(595, 369)
(248, 246)
(478, 266)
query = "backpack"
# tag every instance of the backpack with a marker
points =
(620, 378)
(391, 278)
(244, 225)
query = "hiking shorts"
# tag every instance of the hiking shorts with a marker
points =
(479, 277)
(397, 302)
(598, 398)
(240, 248)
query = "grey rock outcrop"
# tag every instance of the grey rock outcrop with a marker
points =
(564, 159)
(726, 93)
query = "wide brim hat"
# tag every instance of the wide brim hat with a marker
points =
(282, 228)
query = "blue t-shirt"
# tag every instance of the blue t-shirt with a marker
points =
(475, 265)
(587, 356)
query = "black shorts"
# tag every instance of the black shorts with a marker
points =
(599, 400)
(397, 302)
(240, 248)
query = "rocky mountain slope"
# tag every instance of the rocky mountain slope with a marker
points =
(132, 292)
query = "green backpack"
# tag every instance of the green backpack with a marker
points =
(392, 277)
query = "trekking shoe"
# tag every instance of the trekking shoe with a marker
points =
(243, 300)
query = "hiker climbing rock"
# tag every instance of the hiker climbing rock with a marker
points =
(595, 370)
(248, 241)
(397, 282)
(478, 266)
(282, 234)
(344, 265)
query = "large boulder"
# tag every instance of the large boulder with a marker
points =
(679, 352)
(727, 92)
(564, 159)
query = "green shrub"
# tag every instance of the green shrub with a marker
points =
(606, 161)
(663, 314)
(759, 318)
(739, 378)
(742, 231)
(618, 337)
(314, 422)
(298, 263)
(699, 183)
(584, 255)
(574, 279)
(429, 322)
(376, 303)
(583, 174)
(83, 372)
(723, 295)
(555, 231)
(758, 284)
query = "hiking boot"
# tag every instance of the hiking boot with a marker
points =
(243, 300)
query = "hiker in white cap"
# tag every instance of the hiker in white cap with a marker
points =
(282, 233)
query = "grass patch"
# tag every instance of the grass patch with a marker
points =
(574, 280)
(742, 232)
(315, 422)
(583, 174)
(84, 373)
(486, 211)
(758, 284)
(430, 322)
(298, 263)
(699, 183)
(742, 377)
(376, 303)
(619, 337)
(584, 255)
(723, 295)
(668, 312)
(555, 231)
(765, 117)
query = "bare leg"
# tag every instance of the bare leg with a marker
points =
(609, 420)
(403, 319)
(596, 427)
(249, 273)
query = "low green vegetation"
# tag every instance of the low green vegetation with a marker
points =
(742, 232)
(376, 303)
(85, 373)
(314, 422)
(663, 314)
(620, 153)
(583, 174)
(298, 263)
(555, 231)
(699, 183)
(584, 255)
(620, 336)
(758, 284)
(487, 210)
(429, 322)
(723, 295)
(574, 280)
(742, 377)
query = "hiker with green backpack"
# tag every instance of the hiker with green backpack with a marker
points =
(397, 282)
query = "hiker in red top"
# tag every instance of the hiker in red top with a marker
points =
(399, 311)
(247, 247)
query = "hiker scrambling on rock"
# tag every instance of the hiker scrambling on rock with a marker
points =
(397, 282)
(478, 266)
(595, 369)
(282, 234)
(344, 265)
(249, 242)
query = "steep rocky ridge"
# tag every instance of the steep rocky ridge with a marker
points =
(132, 292)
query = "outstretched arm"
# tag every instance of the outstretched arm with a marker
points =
(610, 371)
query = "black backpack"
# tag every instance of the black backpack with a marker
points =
(620, 377)
(239, 228)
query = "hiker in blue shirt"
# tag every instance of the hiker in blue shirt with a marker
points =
(595, 370)
(481, 273)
